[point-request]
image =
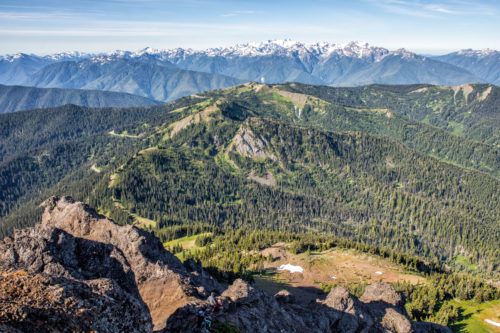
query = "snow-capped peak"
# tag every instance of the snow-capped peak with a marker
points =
(17, 56)
(288, 47)
(66, 55)
(278, 47)
(404, 53)
(477, 53)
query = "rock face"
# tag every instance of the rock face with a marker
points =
(76, 244)
(77, 271)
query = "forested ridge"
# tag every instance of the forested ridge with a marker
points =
(375, 165)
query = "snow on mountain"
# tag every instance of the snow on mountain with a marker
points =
(17, 57)
(280, 47)
(282, 60)
(284, 47)
(477, 53)
(483, 63)
(65, 56)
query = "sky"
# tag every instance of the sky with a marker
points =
(424, 26)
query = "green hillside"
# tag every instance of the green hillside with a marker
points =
(377, 165)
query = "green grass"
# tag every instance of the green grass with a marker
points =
(144, 222)
(188, 244)
(456, 128)
(465, 262)
(474, 314)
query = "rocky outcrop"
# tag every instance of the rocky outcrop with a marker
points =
(76, 243)
(46, 303)
(77, 271)
(248, 144)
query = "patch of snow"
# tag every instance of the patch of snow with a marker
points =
(333, 277)
(492, 322)
(291, 268)
(379, 273)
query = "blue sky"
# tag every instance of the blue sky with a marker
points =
(103, 25)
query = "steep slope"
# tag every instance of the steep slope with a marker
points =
(403, 67)
(150, 79)
(482, 63)
(16, 98)
(69, 144)
(270, 175)
(79, 271)
(344, 161)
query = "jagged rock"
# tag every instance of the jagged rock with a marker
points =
(352, 314)
(75, 242)
(381, 292)
(44, 303)
(77, 271)
(394, 321)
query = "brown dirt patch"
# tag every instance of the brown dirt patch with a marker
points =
(196, 118)
(331, 268)
(267, 180)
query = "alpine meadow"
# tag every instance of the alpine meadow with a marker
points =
(230, 178)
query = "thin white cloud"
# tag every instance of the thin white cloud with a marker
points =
(156, 28)
(238, 13)
(424, 9)
(36, 16)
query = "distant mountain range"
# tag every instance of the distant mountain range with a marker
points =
(16, 98)
(168, 74)
(483, 63)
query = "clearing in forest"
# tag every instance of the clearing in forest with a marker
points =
(328, 268)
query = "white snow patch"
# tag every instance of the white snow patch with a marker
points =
(291, 268)
(492, 322)
(333, 277)
(379, 273)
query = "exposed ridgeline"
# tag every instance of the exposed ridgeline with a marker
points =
(469, 110)
(16, 98)
(78, 271)
(379, 165)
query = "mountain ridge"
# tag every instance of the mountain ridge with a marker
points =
(19, 98)
(361, 154)
(274, 61)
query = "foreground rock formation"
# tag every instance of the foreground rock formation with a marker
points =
(77, 271)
